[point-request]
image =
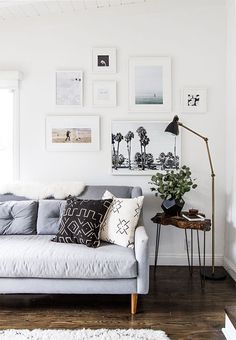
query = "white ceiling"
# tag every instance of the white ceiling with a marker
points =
(13, 9)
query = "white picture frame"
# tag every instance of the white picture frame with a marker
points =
(194, 100)
(150, 84)
(104, 93)
(104, 60)
(160, 149)
(72, 133)
(69, 88)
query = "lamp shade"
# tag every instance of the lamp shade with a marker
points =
(173, 127)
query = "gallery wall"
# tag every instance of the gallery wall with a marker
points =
(192, 33)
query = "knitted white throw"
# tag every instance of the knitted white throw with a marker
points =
(36, 190)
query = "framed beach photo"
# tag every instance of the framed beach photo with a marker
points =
(72, 133)
(150, 84)
(69, 88)
(104, 60)
(194, 100)
(143, 148)
(104, 93)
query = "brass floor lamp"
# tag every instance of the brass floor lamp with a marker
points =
(214, 273)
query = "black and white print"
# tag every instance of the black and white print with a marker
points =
(104, 60)
(81, 221)
(143, 148)
(194, 100)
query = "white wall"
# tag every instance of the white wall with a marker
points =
(230, 241)
(191, 32)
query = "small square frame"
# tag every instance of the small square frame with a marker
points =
(194, 100)
(104, 93)
(104, 60)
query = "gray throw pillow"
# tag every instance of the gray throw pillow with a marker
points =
(18, 217)
(49, 214)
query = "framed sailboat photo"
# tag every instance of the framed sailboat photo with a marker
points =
(150, 84)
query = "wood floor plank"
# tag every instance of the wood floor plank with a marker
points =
(176, 304)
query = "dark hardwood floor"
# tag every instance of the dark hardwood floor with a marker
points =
(175, 305)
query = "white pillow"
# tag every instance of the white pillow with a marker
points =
(119, 225)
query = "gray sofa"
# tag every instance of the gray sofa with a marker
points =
(31, 263)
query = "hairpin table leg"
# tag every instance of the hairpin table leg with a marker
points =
(187, 249)
(191, 252)
(199, 258)
(158, 234)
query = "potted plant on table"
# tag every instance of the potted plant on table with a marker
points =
(171, 187)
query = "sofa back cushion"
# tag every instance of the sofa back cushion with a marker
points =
(90, 192)
(49, 214)
(18, 217)
(95, 192)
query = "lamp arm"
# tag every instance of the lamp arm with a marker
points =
(207, 145)
(196, 133)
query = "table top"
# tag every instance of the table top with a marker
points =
(181, 222)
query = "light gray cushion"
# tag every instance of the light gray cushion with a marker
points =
(49, 214)
(36, 256)
(18, 217)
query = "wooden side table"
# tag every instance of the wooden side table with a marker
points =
(161, 219)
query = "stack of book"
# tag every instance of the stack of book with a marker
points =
(193, 217)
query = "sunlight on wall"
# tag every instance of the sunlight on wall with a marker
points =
(6, 134)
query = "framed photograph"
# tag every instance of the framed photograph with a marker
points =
(104, 93)
(72, 133)
(150, 84)
(69, 88)
(143, 148)
(194, 100)
(104, 60)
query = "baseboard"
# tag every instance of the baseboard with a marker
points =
(181, 260)
(230, 268)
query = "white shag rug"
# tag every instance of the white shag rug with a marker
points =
(83, 334)
(37, 190)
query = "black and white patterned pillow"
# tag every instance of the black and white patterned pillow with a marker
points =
(121, 220)
(81, 220)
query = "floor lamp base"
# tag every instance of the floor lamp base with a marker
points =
(218, 274)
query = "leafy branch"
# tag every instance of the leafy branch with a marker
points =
(173, 184)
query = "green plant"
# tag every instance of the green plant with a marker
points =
(173, 184)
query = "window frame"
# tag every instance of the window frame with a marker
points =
(11, 80)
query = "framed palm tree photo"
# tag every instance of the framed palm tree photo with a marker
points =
(143, 148)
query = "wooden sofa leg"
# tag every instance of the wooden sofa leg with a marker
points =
(134, 301)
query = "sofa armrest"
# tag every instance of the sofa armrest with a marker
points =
(141, 254)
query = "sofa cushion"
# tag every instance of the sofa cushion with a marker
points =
(121, 220)
(18, 217)
(81, 220)
(35, 256)
(49, 214)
